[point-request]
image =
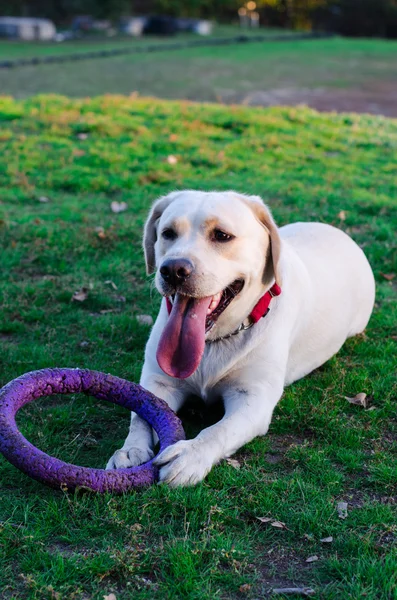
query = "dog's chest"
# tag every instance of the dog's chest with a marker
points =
(215, 366)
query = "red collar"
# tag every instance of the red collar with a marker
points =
(260, 309)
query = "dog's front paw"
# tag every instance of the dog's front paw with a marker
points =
(130, 457)
(185, 463)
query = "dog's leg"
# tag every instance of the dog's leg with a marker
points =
(138, 446)
(248, 412)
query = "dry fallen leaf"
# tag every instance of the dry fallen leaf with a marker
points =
(233, 463)
(342, 510)
(388, 276)
(173, 137)
(359, 399)
(327, 540)
(342, 215)
(312, 559)
(80, 295)
(118, 207)
(144, 320)
(100, 232)
(244, 588)
(279, 525)
(264, 519)
(172, 160)
(273, 523)
(43, 199)
(110, 597)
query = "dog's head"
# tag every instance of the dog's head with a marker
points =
(214, 254)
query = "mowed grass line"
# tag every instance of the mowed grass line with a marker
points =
(225, 73)
(205, 542)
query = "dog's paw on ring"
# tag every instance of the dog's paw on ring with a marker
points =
(131, 457)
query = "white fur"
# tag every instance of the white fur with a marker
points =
(327, 296)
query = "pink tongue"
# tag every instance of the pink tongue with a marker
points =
(182, 342)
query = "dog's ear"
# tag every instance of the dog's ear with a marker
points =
(150, 230)
(264, 216)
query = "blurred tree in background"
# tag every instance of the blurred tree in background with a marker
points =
(198, 8)
(294, 14)
(347, 17)
(63, 10)
(358, 17)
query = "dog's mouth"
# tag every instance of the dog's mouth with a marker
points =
(219, 302)
(182, 342)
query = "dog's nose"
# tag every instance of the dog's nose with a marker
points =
(176, 270)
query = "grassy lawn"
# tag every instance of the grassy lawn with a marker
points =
(226, 73)
(10, 49)
(205, 542)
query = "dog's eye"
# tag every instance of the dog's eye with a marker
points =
(220, 236)
(168, 234)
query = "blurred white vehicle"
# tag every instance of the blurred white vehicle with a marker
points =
(26, 28)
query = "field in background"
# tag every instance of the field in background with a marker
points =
(10, 49)
(63, 163)
(327, 74)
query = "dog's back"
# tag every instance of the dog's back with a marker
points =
(339, 297)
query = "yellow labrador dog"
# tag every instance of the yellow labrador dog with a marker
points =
(247, 309)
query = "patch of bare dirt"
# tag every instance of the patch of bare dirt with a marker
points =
(283, 567)
(67, 550)
(7, 338)
(280, 444)
(358, 498)
(376, 98)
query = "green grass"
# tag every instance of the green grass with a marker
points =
(12, 49)
(226, 73)
(205, 542)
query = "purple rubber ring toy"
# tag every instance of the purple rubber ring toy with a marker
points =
(57, 474)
